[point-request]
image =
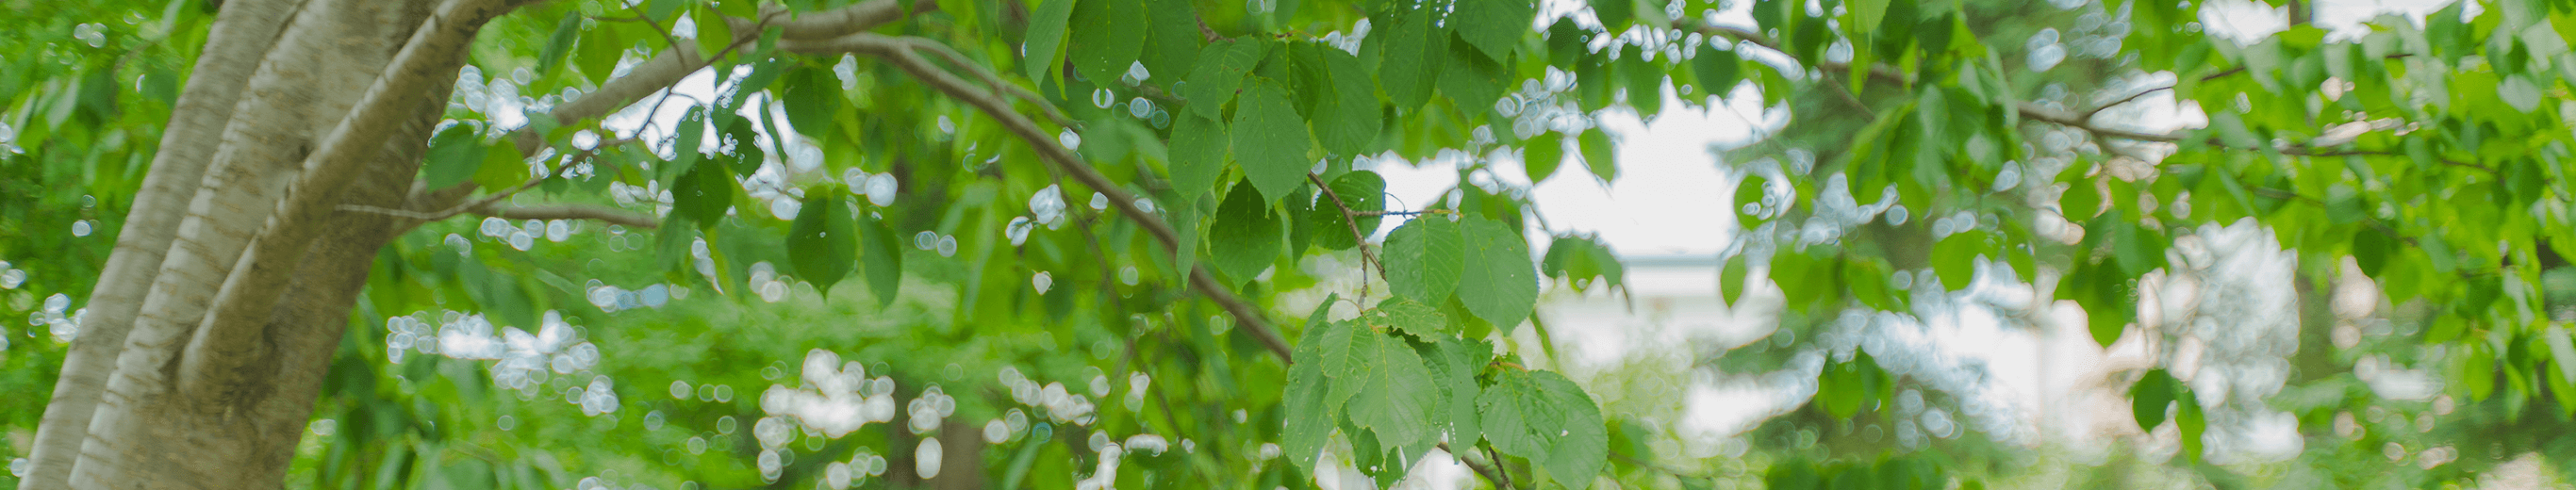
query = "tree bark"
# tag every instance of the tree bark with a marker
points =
(240, 36)
(143, 433)
(216, 320)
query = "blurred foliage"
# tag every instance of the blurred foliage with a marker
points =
(834, 228)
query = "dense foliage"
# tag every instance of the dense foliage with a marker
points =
(1082, 241)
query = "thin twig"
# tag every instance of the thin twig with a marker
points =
(570, 211)
(1016, 91)
(900, 51)
(1352, 220)
(2088, 113)
(1403, 213)
(1491, 474)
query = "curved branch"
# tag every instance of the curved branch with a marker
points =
(223, 359)
(901, 53)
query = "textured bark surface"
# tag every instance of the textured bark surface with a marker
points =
(240, 36)
(144, 434)
(215, 323)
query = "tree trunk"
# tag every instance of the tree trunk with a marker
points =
(214, 322)
(228, 294)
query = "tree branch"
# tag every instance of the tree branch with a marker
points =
(571, 211)
(2088, 113)
(901, 53)
(223, 358)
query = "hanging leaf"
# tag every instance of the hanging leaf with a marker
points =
(1541, 154)
(824, 241)
(1270, 141)
(1497, 282)
(1425, 258)
(1250, 231)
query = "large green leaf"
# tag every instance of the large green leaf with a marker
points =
(1542, 416)
(1250, 232)
(1497, 281)
(1412, 51)
(824, 242)
(1220, 73)
(454, 156)
(881, 254)
(1044, 46)
(1198, 153)
(1270, 140)
(813, 96)
(1107, 37)
(1349, 121)
(1425, 258)
(1310, 413)
(1493, 26)
(1389, 390)
(1541, 154)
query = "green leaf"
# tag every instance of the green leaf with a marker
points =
(1615, 15)
(2189, 418)
(1498, 282)
(1454, 364)
(566, 31)
(1470, 80)
(1172, 43)
(1730, 280)
(1425, 258)
(1220, 72)
(502, 166)
(1719, 70)
(1247, 234)
(2081, 201)
(1416, 319)
(1198, 153)
(1596, 154)
(2149, 398)
(1309, 411)
(1044, 46)
(1362, 191)
(2370, 249)
(2106, 295)
(1270, 141)
(1107, 37)
(1751, 190)
(1414, 50)
(703, 194)
(824, 241)
(1350, 120)
(881, 253)
(454, 156)
(1389, 389)
(713, 36)
(1541, 154)
(1803, 279)
(660, 10)
(745, 156)
(1954, 258)
(687, 136)
(1493, 26)
(1543, 417)
(812, 96)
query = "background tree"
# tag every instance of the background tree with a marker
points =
(283, 179)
